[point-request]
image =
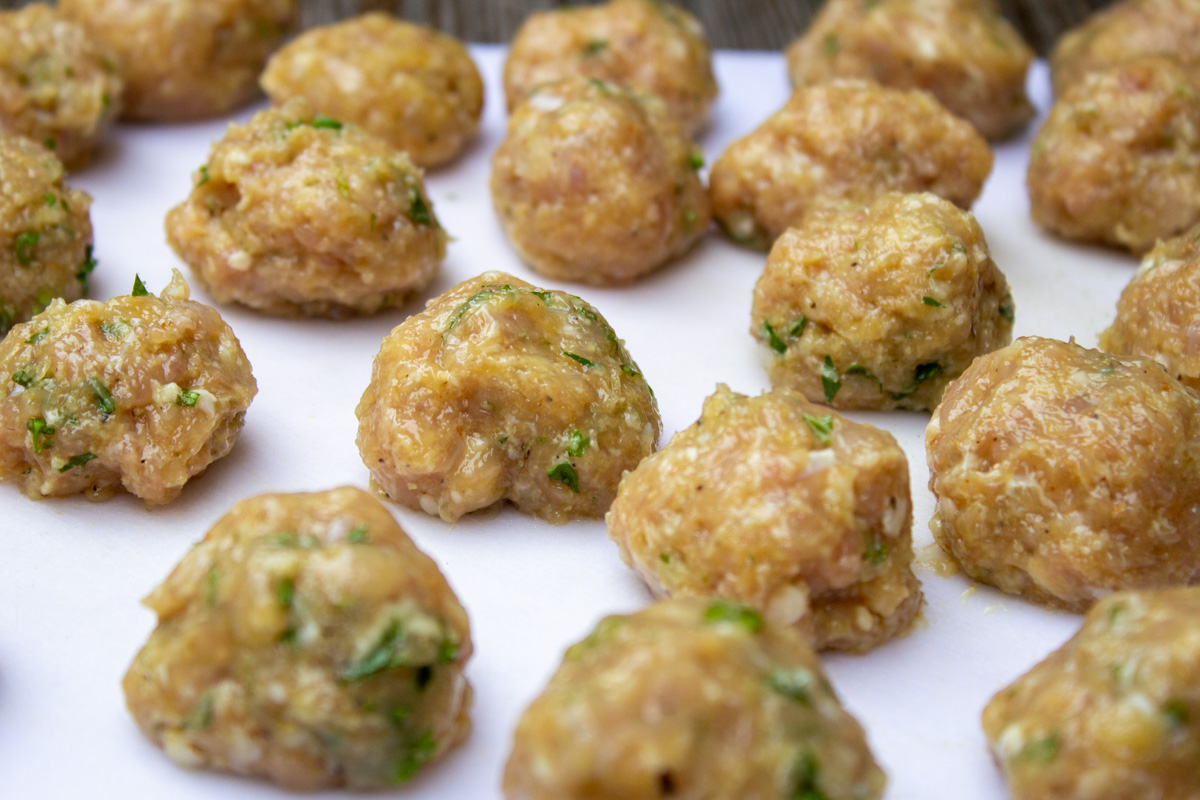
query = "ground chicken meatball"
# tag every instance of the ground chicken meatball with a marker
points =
(183, 59)
(1063, 474)
(962, 51)
(880, 306)
(57, 86)
(596, 184)
(306, 640)
(296, 214)
(775, 502)
(501, 391)
(1118, 160)
(1127, 30)
(691, 699)
(412, 86)
(846, 140)
(1158, 315)
(1114, 714)
(137, 394)
(651, 46)
(45, 232)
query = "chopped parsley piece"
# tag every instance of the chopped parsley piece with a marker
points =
(565, 474)
(38, 428)
(1007, 312)
(378, 658)
(39, 336)
(797, 329)
(447, 651)
(577, 444)
(87, 267)
(773, 338)
(876, 551)
(863, 372)
(76, 462)
(203, 176)
(545, 297)
(201, 715)
(23, 247)
(580, 359)
(630, 371)
(139, 288)
(50, 199)
(923, 373)
(664, 557)
(960, 247)
(284, 592)
(50, 142)
(831, 382)
(695, 158)
(187, 398)
(806, 785)
(822, 428)
(830, 44)
(794, 684)
(323, 121)
(418, 755)
(595, 46)
(115, 330)
(479, 298)
(418, 209)
(104, 398)
(1040, 751)
(724, 611)
(23, 378)
(932, 301)
(1177, 714)
(357, 536)
(211, 585)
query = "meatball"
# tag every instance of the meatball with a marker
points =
(497, 391)
(652, 46)
(1126, 30)
(846, 140)
(691, 698)
(775, 502)
(139, 393)
(415, 88)
(1118, 160)
(1158, 315)
(183, 59)
(306, 640)
(1114, 714)
(596, 184)
(45, 232)
(57, 86)
(1063, 474)
(962, 51)
(880, 306)
(296, 214)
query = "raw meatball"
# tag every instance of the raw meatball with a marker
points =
(1158, 315)
(296, 214)
(183, 59)
(650, 46)
(880, 306)
(1114, 714)
(308, 641)
(501, 391)
(1063, 474)
(775, 502)
(45, 232)
(57, 86)
(846, 140)
(139, 393)
(1124, 31)
(693, 699)
(414, 87)
(962, 51)
(596, 184)
(1118, 160)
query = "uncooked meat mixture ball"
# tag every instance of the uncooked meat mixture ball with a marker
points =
(1063, 474)
(651, 46)
(1158, 315)
(57, 86)
(501, 391)
(776, 502)
(296, 214)
(694, 699)
(412, 86)
(597, 184)
(962, 51)
(137, 394)
(45, 232)
(1118, 160)
(880, 306)
(183, 59)
(1114, 714)
(846, 140)
(308, 641)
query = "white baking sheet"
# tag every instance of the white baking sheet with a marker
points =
(72, 572)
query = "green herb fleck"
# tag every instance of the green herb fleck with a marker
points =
(565, 474)
(203, 175)
(923, 372)
(1007, 311)
(378, 658)
(23, 247)
(418, 209)
(87, 267)
(187, 398)
(822, 428)
(211, 587)
(23, 378)
(932, 301)
(630, 371)
(76, 462)
(1040, 751)
(773, 339)
(104, 398)
(876, 551)
(1177, 714)
(284, 592)
(959, 246)
(418, 755)
(794, 684)
(695, 158)
(595, 46)
(863, 372)
(797, 329)
(830, 45)
(50, 142)
(323, 121)
(139, 288)
(115, 330)
(545, 297)
(831, 382)
(39, 336)
(49, 199)
(38, 428)
(577, 444)
(201, 715)
(664, 557)
(447, 651)
(806, 784)
(479, 298)
(585, 362)
(725, 611)
(357, 536)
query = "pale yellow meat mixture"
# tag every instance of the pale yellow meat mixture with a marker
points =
(186, 59)
(653, 47)
(845, 140)
(1114, 714)
(962, 51)
(137, 394)
(783, 505)
(45, 232)
(1064, 474)
(298, 214)
(412, 86)
(596, 184)
(1126, 30)
(1158, 315)
(690, 699)
(1118, 160)
(305, 640)
(501, 391)
(57, 86)
(880, 306)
